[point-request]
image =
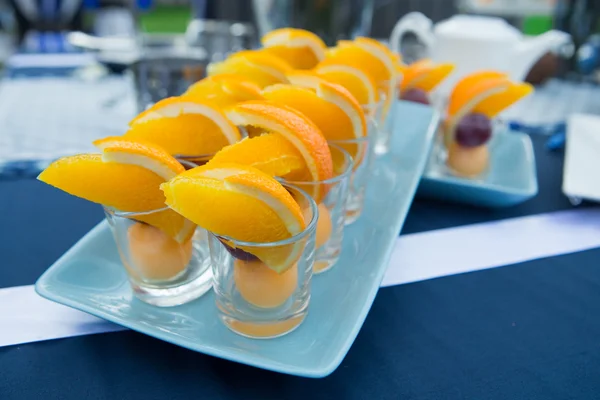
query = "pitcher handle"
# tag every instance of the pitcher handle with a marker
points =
(416, 23)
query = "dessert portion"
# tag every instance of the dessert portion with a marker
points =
(246, 205)
(293, 149)
(474, 102)
(126, 177)
(421, 78)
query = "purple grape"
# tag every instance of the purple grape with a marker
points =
(239, 253)
(473, 130)
(416, 96)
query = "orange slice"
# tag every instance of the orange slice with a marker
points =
(304, 135)
(370, 56)
(262, 68)
(301, 49)
(424, 75)
(496, 103)
(270, 153)
(223, 90)
(125, 177)
(485, 92)
(184, 127)
(357, 82)
(470, 92)
(332, 108)
(463, 90)
(245, 204)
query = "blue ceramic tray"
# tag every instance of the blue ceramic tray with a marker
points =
(511, 178)
(89, 277)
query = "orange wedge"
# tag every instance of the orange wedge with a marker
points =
(184, 127)
(372, 58)
(262, 68)
(301, 49)
(296, 128)
(486, 92)
(125, 177)
(332, 108)
(360, 84)
(424, 75)
(471, 91)
(245, 204)
(270, 153)
(223, 90)
(496, 103)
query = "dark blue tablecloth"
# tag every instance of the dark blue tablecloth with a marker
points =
(528, 331)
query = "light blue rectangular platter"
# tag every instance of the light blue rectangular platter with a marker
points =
(511, 179)
(89, 277)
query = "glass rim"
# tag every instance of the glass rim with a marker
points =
(375, 106)
(359, 140)
(333, 179)
(186, 157)
(129, 214)
(307, 230)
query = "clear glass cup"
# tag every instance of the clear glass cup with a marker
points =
(252, 299)
(161, 271)
(374, 115)
(384, 115)
(332, 209)
(161, 72)
(332, 20)
(362, 151)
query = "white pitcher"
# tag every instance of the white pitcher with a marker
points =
(474, 43)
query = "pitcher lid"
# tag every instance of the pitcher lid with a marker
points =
(485, 28)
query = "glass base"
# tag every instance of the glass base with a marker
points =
(263, 330)
(354, 207)
(175, 295)
(352, 216)
(382, 143)
(187, 286)
(324, 262)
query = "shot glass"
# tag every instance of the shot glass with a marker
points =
(252, 299)
(331, 196)
(382, 113)
(362, 151)
(161, 271)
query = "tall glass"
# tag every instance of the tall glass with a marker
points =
(383, 113)
(252, 299)
(331, 196)
(161, 271)
(374, 113)
(167, 71)
(362, 151)
(332, 20)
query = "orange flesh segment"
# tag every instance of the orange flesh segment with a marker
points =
(296, 128)
(496, 103)
(425, 75)
(124, 187)
(270, 152)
